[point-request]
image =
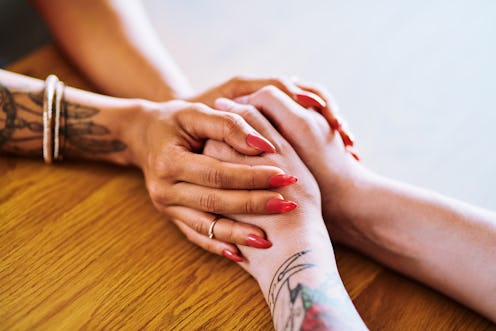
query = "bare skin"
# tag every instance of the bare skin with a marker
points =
(114, 45)
(298, 274)
(447, 244)
(162, 139)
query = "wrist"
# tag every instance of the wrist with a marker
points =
(350, 205)
(368, 220)
(287, 240)
(134, 129)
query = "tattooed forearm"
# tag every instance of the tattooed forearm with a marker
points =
(21, 126)
(83, 134)
(299, 302)
(9, 113)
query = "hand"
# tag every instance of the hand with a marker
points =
(301, 260)
(290, 230)
(306, 95)
(190, 188)
(323, 152)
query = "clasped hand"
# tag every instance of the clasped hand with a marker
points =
(192, 189)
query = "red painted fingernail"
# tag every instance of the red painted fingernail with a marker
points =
(280, 205)
(307, 99)
(257, 242)
(232, 256)
(353, 152)
(335, 124)
(260, 143)
(282, 180)
(347, 139)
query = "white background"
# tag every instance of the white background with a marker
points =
(416, 80)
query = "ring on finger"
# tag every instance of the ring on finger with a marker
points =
(211, 228)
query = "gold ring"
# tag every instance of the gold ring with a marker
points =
(211, 229)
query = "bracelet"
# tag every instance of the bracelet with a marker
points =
(48, 95)
(52, 100)
(59, 93)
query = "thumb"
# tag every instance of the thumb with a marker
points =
(201, 122)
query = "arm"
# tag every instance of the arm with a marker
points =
(114, 45)
(298, 274)
(163, 139)
(442, 242)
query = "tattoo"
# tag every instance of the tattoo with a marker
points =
(298, 306)
(9, 108)
(22, 118)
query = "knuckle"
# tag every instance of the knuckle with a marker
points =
(199, 107)
(232, 123)
(241, 79)
(215, 177)
(249, 112)
(253, 179)
(208, 202)
(270, 90)
(250, 205)
(232, 233)
(280, 81)
(200, 227)
(236, 79)
(155, 191)
(163, 167)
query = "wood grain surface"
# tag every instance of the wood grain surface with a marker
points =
(82, 247)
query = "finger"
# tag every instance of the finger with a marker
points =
(207, 171)
(219, 201)
(211, 245)
(331, 113)
(277, 107)
(202, 122)
(253, 115)
(243, 85)
(225, 229)
(286, 115)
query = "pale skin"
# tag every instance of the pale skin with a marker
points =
(298, 274)
(444, 243)
(111, 42)
(360, 219)
(314, 294)
(156, 137)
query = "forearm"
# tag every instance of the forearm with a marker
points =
(115, 46)
(442, 242)
(94, 126)
(300, 281)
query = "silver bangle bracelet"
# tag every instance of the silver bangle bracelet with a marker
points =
(59, 94)
(49, 93)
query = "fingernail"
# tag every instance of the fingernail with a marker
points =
(347, 138)
(257, 242)
(280, 205)
(353, 152)
(335, 124)
(307, 99)
(260, 143)
(232, 256)
(282, 180)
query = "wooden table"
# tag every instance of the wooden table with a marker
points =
(82, 247)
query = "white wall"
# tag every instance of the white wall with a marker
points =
(415, 79)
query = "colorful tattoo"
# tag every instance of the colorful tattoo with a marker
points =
(298, 306)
